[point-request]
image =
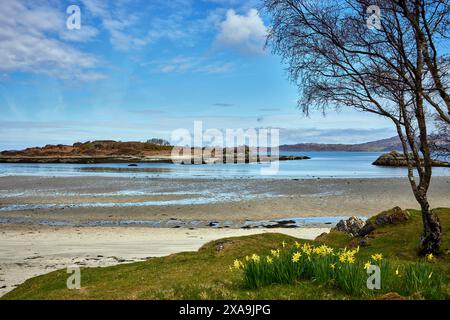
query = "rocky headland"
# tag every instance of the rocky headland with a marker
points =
(109, 151)
(396, 159)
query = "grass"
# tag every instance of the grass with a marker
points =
(342, 269)
(205, 274)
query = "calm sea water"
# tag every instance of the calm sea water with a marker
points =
(321, 164)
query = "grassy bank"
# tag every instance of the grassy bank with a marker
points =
(206, 274)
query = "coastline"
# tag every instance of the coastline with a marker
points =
(88, 200)
(49, 239)
(29, 251)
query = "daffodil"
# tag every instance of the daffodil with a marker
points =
(333, 266)
(275, 253)
(297, 245)
(255, 258)
(323, 250)
(306, 248)
(296, 257)
(347, 256)
(430, 257)
(367, 265)
(397, 272)
(238, 264)
(269, 259)
(377, 257)
(283, 244)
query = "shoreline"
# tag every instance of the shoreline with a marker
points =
(84, 200)
(29, 251)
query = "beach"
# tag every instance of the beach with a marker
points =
(50, 223)
(29, 251)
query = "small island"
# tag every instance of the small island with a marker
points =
(396, 159)
(110, 151)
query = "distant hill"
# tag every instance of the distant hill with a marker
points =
(389, 144)
(93, 148)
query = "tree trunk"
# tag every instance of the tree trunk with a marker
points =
(430, 241)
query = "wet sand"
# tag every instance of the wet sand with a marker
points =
(29, 251)
(91, 200)
(41, 217)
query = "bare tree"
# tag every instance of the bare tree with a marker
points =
(336, 60)
(440, 140)
(430, 20)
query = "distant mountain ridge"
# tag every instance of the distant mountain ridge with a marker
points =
(383, 145)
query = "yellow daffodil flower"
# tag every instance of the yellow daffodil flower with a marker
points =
(237, 264)
(269, 259)
(377, 257)
(430, 257)
(275, 253)
(367, 265)
(307, 248)
(255, 257)
(296, 257)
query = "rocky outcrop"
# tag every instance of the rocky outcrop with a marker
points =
(396, 159)
(108, 151)
(86, 159)
(362, 230)
(393, 216)
(351, 226)
(244, 154)
(99, 148)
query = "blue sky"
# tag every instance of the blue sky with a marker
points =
(139, 69)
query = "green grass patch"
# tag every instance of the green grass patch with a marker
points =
(206, 274)
(341, 269)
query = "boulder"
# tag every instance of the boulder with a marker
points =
(364, 242)
(393, 216)
(351, 226)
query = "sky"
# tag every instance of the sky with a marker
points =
(138, 69)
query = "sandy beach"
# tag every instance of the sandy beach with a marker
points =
(50, 223)
(29, 251)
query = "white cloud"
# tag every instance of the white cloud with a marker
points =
(30, 41)
(183, 64)
(245, 33)
(123, 26)
(85, 34)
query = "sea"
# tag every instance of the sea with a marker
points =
(321, 165)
